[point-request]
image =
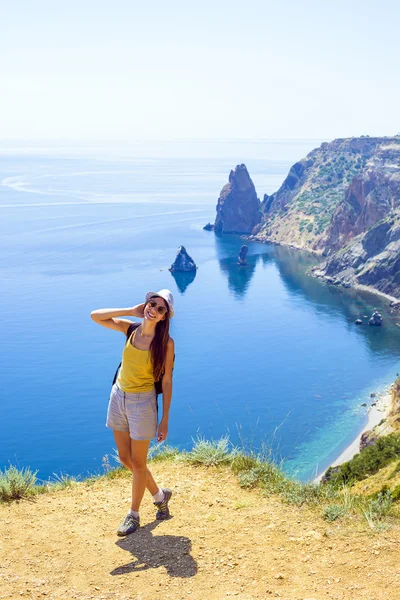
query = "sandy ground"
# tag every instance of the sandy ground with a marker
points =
(221, 542)
(376, 413)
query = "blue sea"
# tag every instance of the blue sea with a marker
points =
(265, 354)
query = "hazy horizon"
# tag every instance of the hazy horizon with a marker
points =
(85, 72)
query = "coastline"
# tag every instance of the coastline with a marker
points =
(394, 302)
(372, 290)
(381, 410)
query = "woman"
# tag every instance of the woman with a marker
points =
(147, 356)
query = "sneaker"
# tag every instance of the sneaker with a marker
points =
(128, 525)
(163, 510)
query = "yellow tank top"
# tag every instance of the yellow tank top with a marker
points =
(136, 372)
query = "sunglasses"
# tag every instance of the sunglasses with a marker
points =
(160, 309)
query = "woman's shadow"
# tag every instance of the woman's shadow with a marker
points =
(169, 551)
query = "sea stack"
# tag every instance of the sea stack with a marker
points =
(183, 263)
(242, 255)
(238, 208)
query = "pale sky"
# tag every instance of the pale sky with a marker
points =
(129, 70)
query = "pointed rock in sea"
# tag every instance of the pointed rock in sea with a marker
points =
(183, 263)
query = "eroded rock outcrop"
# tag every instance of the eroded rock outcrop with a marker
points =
(238, 208)
(183, 263)
(370, 198)
(371, 259)
(343, 201)
(368, 438)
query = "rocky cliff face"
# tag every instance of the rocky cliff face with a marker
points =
(343, 201)
(238, 208)
(371, 259)
(371, 197)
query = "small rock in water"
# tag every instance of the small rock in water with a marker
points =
(358, 322)
(376, 319)
(242, 255)
(209, 227)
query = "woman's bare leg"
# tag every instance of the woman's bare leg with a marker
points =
(123, 441)
(151, 484)
(139, 450)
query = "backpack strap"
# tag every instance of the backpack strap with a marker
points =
(158, 384)
(129, 332)
(131, 329)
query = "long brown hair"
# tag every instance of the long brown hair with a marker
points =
(159, 343)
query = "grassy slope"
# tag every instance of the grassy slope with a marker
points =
(333, 501)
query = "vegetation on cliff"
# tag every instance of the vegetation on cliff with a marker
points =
(334, 499)
(376, 469)
(343, 201)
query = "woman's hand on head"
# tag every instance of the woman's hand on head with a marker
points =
(138, 311)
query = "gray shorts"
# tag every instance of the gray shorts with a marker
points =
(136, 413)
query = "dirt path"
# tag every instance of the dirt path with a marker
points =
(222, 542)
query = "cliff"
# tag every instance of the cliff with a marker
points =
(343, 202)
(238, 208)
(372, 259)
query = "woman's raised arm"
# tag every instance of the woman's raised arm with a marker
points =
(108, 317)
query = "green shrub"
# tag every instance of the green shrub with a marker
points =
(16, 484)
(160, 452)
(378, 507)
(244, 462)
(258, 470)
(296, 492)
(396, 494)
(62, 481)
(395, 471)
(210, 453)
(248, 479)
(116, 473)
(332, 512)
(303, 224)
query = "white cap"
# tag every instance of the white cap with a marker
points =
(165, 295)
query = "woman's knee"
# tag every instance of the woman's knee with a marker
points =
(138, 463)
(124, 456)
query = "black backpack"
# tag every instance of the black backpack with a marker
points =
(157, 384)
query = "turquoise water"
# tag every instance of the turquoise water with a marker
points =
(265, 353)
